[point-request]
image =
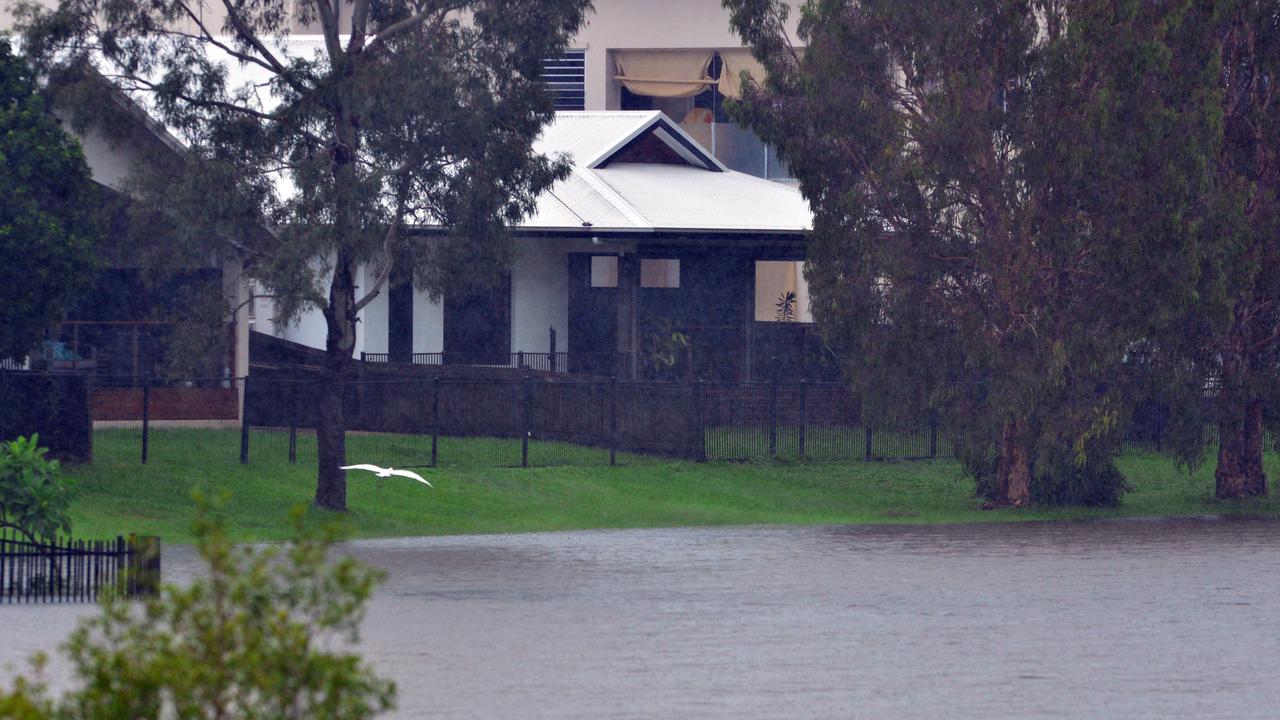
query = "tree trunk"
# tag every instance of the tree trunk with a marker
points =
(1240, 439)
(1240, 446)
(331, 437)
(1013, 474)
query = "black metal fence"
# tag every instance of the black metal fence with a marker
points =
(63, 570)
(489, 418)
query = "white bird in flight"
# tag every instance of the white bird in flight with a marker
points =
(382, 472)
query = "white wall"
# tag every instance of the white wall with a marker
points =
(428, 324)
(373, 329)
(540, 295)
(109, 162)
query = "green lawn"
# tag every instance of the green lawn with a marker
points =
(117, 495)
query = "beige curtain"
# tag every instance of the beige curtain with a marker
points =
(733, 64)
(664, 73)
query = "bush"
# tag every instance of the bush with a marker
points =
(1057, 478)
(34, 497)
(55, 405)
(244, 640)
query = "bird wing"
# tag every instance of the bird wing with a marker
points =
(365, 466)
(412, 476)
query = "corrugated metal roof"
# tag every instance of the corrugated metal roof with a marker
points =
(642, 197)
(586, 136)
(674, 197)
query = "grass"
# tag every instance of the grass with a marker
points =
(471, 495)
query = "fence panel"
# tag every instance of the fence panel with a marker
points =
(476, 417)
(63, 570)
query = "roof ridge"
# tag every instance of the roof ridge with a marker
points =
(614, 197)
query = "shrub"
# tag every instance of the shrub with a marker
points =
(34, 497)
(247, 639)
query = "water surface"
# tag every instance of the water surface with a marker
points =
(1133, 619)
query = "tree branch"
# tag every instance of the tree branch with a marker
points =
(387, 242)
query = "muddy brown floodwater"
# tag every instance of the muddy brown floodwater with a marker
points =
(1124, 619)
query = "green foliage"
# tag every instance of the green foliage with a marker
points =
(1059, 475)
(1228, 342)
(248, 639)
(786, 307)
(34, 497)
(662, 345)
(1004, 197)
(47, 220)
(410, 115)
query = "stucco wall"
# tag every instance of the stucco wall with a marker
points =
(540, 296)
(371, 331)
(428, 324)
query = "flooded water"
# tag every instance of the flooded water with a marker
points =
(1105, 619)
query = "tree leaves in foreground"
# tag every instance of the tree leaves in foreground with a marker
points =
(47, 218)
(312, 165)
(246, 640)
(1004, 198)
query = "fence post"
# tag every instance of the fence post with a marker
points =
(867, 448)
(146, 414)
(293, 422)
(702, 421)
(244, 425)
(435, 420)
(773, 415)
(613, 420)
(142, 576)
(526, 417)
(551, 346)
(804, 413)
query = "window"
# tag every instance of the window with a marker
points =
(604, 271)
(565, 76)
(654, 273)
(659, 273)
(779, 285)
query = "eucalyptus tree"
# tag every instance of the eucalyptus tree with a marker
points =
(1243, 352)
(308, 165)
(1002, 194)
(48, 220)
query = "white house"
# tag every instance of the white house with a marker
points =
(649, 226)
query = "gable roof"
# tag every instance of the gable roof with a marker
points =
(593, 139)
(608, 190)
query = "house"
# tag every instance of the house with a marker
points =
(675, 219)
(650, 235)
(671, 225)
(117, 333)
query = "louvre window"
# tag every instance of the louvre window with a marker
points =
(565, 76)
